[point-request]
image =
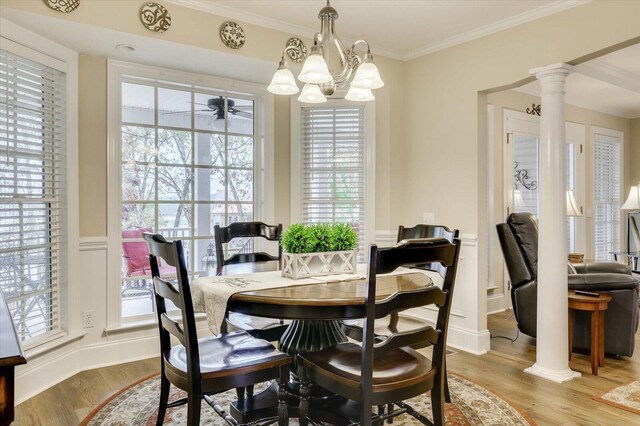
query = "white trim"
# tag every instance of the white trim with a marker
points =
(60, 57)
(280, 25)
(611, 74)
(264, 184)
(370, 163)
(93, 243)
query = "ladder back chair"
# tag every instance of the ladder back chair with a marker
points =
(394, 323)
(389, 371)
(206, 366)
(263, 328)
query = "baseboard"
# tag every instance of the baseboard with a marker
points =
(495, 304)
(477, 343)
(80, 358)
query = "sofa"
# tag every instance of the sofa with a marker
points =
(519, 242)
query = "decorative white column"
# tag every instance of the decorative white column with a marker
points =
(552, 333)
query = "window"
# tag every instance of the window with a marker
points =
(607, 185)
(32, 198)
(335, 184)
(187, 164)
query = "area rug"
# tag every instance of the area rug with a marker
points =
(626, 397)
(137, 405)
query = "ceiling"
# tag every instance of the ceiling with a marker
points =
(402, 29)
(609, 84)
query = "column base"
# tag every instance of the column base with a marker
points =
(558, 376)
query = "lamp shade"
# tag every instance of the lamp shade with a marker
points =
(315, 70)
(311, 94)
(633, 200)
(360, 95)
(572, 207)
(283, 83)
(367, 77)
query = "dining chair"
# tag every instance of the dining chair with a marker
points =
(202, 367)
(394, 323)
(388, 371)
(263, 328)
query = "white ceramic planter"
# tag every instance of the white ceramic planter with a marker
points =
(304, 265)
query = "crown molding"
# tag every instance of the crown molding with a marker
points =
(276, 24)
(611, 74)
(502, 25)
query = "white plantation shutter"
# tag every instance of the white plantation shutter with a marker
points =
(606, 186)
(32, 176)
(333, 158)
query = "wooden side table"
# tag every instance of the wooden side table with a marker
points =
(597, 306)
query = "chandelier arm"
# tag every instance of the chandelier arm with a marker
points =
(347, 69)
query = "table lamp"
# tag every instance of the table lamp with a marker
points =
(573, 211)
(632, 203)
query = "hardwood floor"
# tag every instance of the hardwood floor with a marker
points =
(501, 371)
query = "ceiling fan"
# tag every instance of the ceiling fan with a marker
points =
(216, 106)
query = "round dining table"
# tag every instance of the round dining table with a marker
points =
(316, 311)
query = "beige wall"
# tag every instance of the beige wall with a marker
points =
(92, 149)
(634, 160)
(518, 101)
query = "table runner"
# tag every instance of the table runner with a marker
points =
(211, 294)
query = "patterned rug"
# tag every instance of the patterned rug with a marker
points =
(137, 405)
(626, 397)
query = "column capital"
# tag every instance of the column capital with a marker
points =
(553, 69)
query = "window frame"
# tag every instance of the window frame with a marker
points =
(119, 72)
(619, 137)
(369, 163)
(32, 46)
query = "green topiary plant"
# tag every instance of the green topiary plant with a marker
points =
(343, 237)
(319, 238)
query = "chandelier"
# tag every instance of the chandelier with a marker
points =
(329, 66)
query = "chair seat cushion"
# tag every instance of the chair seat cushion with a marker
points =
(227, 354)
(343, 360)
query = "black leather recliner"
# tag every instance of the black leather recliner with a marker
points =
(519, 241)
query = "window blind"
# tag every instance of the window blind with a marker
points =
(333, 160)
(32, 143)
(606, 185)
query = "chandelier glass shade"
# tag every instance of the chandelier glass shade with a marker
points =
(312, 94)
(283, 82)
(329, 66)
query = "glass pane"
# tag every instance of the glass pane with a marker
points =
(218, 185)
(240, 185)
(174, 146)
(206, 216)
(240, 116)
(138, 144)
(138, 216)
(525, 156)
(174, 108)
(209, 149)
(138, 103)
(205, 254)
(174, 220)
(240, 213)
(209, 112)
(174, 183)
(138, 182)
(240, 151)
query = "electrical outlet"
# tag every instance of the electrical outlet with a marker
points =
(87, 319)
(429, 218)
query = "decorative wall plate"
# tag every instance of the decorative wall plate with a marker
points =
(155, 17)
(296, 50)
(64, 6)
(232, 35)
